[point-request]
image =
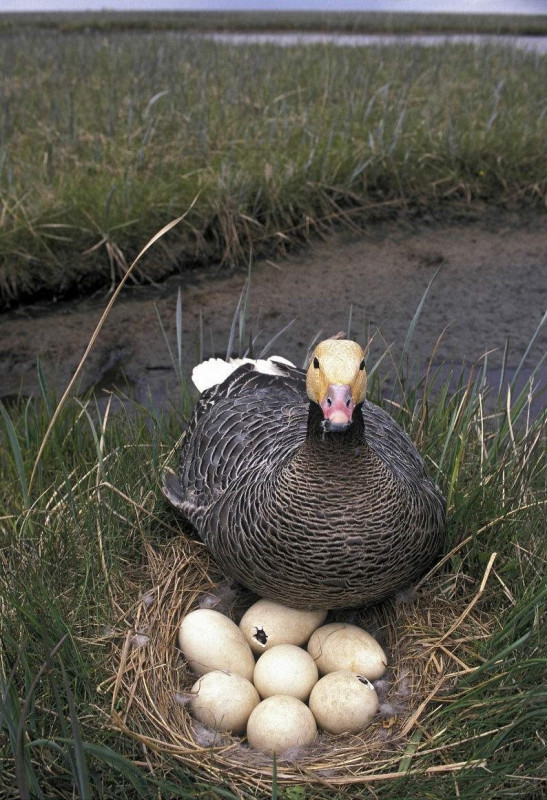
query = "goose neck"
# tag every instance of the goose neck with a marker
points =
(319, 435)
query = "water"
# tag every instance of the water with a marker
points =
(537, 44)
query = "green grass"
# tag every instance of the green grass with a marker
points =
(73, 545)
(106, 137)
(344, 22)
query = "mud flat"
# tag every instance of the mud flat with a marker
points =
(491, 287)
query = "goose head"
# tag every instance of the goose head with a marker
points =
(336, 380)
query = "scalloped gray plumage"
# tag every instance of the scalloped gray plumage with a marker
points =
(302, 517)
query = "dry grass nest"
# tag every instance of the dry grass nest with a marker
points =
(428, 638)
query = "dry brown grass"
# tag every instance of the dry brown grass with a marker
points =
(430, 640)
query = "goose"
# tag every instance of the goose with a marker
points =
(304, 491)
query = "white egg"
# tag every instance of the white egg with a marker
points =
(209, 641)
(285, 669)
(343, 702)
(223, 701)
(267, 624)
(279, 723)
(342, 646)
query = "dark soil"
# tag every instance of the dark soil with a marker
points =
(491, 288)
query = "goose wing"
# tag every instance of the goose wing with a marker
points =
(249, 422)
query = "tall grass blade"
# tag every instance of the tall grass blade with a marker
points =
(165, 338)
(43, 386)
(373, 369)
(269, 344)
(22, 763)
(243, 312)
(503, 369)
(95, 334)
(125, 768)
(236, 320)
(526, 352)
(350, 320)
(81, 768)
(178, 321)
(153, 100)
(17, 455)
(416, 317)
(309, 351)
(200, 338)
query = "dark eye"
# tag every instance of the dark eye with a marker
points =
(316, 362)
(362, 365)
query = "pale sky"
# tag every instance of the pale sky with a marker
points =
(462, 6)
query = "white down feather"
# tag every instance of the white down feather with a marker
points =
(215, 370)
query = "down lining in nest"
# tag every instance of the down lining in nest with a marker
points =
(425, 638)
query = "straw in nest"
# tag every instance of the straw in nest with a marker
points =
(151, 678)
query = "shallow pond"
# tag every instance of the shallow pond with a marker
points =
(537, 44)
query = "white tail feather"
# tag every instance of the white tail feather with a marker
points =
(215, 370)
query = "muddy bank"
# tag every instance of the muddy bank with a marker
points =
(491, 287)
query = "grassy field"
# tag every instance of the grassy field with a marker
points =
(82, 521)
(106, 136)
(344, 22)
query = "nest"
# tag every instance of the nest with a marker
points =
(423, 637)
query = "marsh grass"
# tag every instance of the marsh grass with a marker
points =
(106, 136)
(344, 22)
(90, 553)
